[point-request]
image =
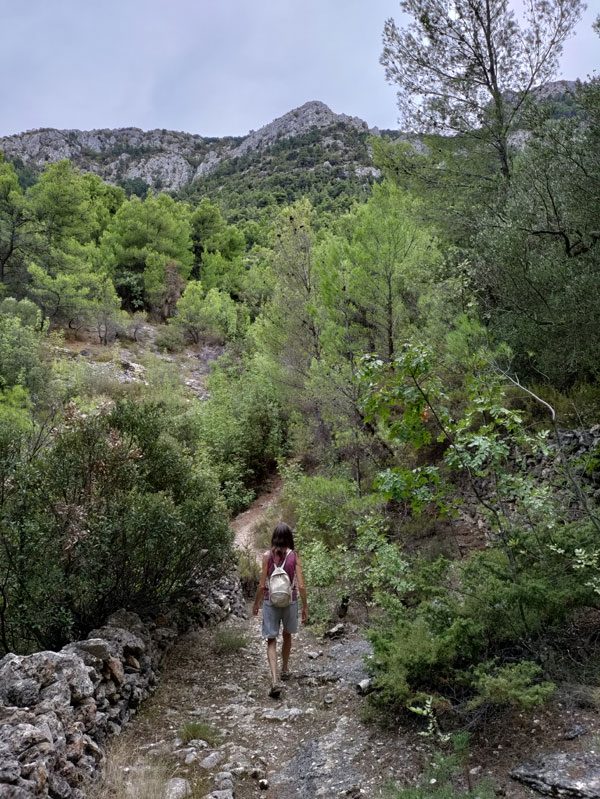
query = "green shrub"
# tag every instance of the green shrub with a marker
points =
(471, 632)
(369, 569)
(199, 731)
(170, 338)
(227, 640)
(325, 508)
(464, 619)
(112, 513)
(515, 684)
(21, 357)
(26, 310)
(241, 429)
(201, 314)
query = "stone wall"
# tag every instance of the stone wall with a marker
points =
(472, 530)
(58, 709)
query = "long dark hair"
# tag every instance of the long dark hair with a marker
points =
(282, 539)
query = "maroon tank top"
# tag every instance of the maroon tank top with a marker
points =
(290, 568)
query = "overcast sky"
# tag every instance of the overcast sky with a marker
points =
(213, 67)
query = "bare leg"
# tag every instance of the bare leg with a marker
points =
(285, 651)
(272, 658)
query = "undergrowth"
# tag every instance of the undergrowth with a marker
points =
(227, 640)
(199, 731)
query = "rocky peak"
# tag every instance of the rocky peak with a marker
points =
(163, 159)
(313, 114)
(555, 89)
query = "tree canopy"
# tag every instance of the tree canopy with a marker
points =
(470, 65)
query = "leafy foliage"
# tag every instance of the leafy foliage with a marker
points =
(241, 427)
(114, 482)
(201, 314)
(463, 616)
(538, 260)
(470, 67)
(369, 332)
(145, 237)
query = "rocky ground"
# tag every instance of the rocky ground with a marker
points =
(130, 364)
(313, 742)
(310, 743)
(211, 731)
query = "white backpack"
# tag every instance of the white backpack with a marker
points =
(280, 586)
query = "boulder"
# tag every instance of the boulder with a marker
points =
(563, 774)
(337, 631)
(177, 788)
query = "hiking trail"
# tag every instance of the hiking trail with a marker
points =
(310, 743)
(211, 732)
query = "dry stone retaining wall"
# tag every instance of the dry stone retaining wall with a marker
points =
(57, 709)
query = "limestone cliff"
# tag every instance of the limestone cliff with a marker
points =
(163, 159)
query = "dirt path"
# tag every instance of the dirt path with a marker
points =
(245, 525)
(310, 743)
(211, 731)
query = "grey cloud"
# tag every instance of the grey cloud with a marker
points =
(209, 67)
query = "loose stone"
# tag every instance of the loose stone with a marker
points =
(177, 788)
(210, 761)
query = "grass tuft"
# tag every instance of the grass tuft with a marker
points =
(126, 777)
(228, 640)
(199, 731)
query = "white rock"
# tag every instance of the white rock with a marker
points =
(282, 714)
(210, 761)
(177, 788)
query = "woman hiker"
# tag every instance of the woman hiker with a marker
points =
(281, 574)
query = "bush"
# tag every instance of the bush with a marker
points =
(201, 314)
(170, 338)
(325, 508)
(469, 630)
(112, 513)
(21, 361)
(517, 684)
(471, 634)
(241, 428)
(368, 569)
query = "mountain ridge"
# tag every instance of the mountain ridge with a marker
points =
(177, 161)
(162, 158)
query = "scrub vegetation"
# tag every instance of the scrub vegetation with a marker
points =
(405, 356)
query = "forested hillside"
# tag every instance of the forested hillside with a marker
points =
(308, 152)
(406, 343)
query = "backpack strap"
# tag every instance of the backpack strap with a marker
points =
(294, 578)
(275, 566)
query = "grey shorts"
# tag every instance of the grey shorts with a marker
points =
(272, 618)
